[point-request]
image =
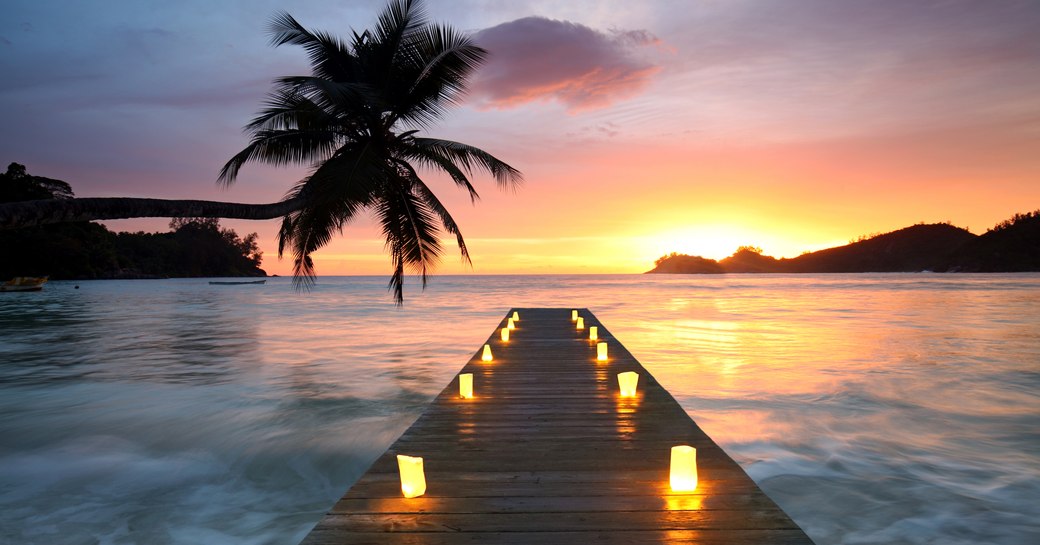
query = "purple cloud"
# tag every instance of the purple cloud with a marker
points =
(539, 59)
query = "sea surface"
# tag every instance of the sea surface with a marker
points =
(888, 408)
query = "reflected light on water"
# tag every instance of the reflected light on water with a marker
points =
(871, 408)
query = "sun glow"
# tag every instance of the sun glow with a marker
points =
(714, 241)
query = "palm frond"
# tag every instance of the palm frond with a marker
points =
(287, 109)
(280, 148)
(333, 195)
(286, 232)
(432, 158)
(427, 195)
(291, 129)
(443, 64)
(341, 101)
(411, 235)
(470, 158)
(329, 57)
(396, 22)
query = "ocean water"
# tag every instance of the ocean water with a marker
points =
(882, 408)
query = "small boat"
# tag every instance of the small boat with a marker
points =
(220, 283)
(24, 283)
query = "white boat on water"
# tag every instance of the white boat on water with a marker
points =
(24, 283)
(236, 283)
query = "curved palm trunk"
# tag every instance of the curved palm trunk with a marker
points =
(14, 215)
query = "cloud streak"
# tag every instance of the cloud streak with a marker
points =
(536, 59)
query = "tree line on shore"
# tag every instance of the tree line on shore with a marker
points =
(194, 247)
(1011, 246)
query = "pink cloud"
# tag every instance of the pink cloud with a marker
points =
(539, 59)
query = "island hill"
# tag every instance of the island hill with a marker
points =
(1011, 246)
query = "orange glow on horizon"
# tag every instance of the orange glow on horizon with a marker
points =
(597, 255)
(616, 209)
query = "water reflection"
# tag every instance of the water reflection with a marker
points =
(872, 408)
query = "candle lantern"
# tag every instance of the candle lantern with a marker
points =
(627, 382)
(601, 351)
(574, 315)
(487, 353)
(466, 385)
(593, 333)
(413, 480)
(516, 316)
(683, 474)
(510, 324)
(580, 324)
(505, 333)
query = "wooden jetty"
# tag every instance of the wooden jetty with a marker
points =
(547, 452)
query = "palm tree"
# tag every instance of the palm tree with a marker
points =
(356, 121)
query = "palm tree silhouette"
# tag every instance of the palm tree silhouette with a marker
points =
(356, 120)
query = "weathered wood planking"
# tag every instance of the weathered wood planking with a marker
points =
(548, 453)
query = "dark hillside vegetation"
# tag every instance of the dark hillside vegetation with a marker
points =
(196, 247)
(911, 249)
(1011, 246)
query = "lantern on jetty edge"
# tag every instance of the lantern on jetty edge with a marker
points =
(413, 480)
(516, 316)
(683, 474)
(601, 351)
(487, 353)
(580, 323)
(574, 315)
(505, 333)
(627, 382)
(593, 333)
(466, 385)
(510, 324)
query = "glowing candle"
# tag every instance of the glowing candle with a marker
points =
(413, 480)
(510, 324)
(505, 333)
(580, 324)
(683, 474)
(574, 315)
(466, 385)
(593, 333)
(601, 351)
(516, 316)
(487, 353)
(627, 382)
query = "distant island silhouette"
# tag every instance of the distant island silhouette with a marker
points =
(1011, 246)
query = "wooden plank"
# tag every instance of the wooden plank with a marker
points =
(325, 536)
(588, 521)
(548, 452)
(541, 504)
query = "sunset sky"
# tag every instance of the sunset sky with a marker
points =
(641, 127)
